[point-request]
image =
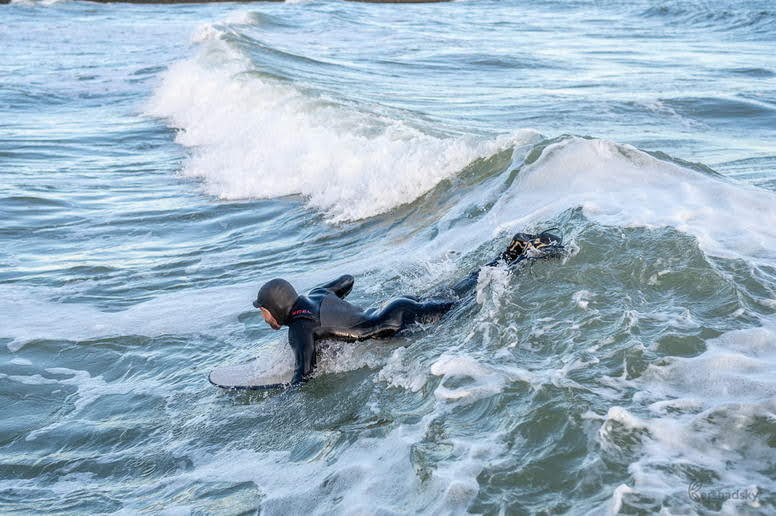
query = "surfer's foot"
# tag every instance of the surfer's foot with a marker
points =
(526, 245)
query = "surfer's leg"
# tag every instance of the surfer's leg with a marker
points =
(412, 310)
(466, 286)
(400, 313)
(522, 246)
(525, 245)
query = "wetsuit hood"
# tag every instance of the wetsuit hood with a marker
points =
(277, 296)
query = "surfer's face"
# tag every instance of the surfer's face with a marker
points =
(268, 317)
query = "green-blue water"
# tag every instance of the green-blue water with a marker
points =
(158, 163)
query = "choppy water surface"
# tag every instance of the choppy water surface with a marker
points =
(159, 162)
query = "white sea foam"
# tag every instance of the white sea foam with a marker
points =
(483, 380)
(353, 484)
(492, 283)
(402, 372)
(582, 298)
(339, 357)
(621, 186)
(736, 367)
(370, 475)
(354, 481)
(255, 137)
(703, 414)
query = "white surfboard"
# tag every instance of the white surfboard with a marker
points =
(272, 369)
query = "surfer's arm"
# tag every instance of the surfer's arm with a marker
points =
(300, 337)
(340, 286)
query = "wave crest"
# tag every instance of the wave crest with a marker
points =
(252, 136)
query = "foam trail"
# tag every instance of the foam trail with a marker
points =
(256, 137)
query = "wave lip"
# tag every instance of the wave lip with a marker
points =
(251, 136)
(619, 185)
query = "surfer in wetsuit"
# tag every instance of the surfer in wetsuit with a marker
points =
(323, 313)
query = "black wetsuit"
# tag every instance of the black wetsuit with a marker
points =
(324, 313)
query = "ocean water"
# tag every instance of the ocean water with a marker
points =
(159, 162)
